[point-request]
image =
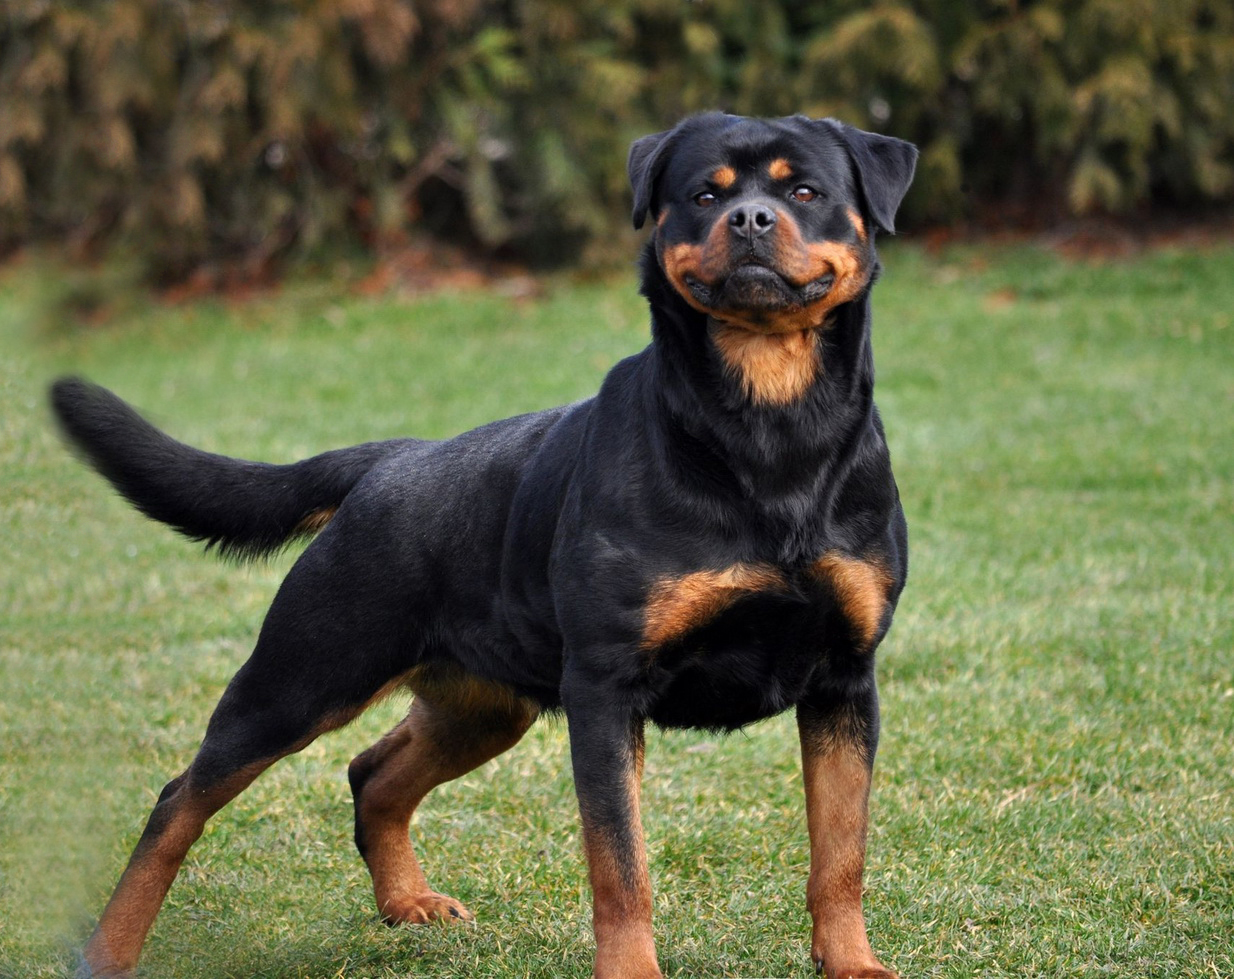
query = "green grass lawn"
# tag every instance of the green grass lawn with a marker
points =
(1054, 795)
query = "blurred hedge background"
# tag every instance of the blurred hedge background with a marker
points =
(247, 133)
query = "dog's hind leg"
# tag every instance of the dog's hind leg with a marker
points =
(314, 669)
(176, 822)
(456, 723)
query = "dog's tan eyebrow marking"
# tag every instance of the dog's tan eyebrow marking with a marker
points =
(779, 169)
(724, 177)
(861, 588)
(677, 605)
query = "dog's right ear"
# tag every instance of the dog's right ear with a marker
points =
(645, 164)
(884, 165)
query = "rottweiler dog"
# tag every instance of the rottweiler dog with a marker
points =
(714, 538)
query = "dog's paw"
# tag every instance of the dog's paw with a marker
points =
(861, 972)
(873, 970)
(422, 908)
(99, 970)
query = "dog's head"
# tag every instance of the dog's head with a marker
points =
(768, 224)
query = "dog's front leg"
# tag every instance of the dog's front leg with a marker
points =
(838, 739)
(606, 747)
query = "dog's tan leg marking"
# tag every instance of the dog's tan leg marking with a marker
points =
(175, 824)
(456, 723)
(861, 588)
(678, 605)
(621, 889)
(837, 784)
(177, 821)
(774, 368)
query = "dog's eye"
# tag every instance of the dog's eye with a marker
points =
(705, 199)
(804, 194)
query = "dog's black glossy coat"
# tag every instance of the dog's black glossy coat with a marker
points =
(528, 553)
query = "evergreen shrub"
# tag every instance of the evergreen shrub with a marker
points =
(241, 132)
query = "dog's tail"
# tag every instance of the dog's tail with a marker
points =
(244, 509)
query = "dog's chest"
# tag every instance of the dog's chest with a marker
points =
(726, 647)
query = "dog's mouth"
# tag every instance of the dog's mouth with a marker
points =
(756, 288)
(782, 285)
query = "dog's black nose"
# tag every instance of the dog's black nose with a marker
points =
(751, 220)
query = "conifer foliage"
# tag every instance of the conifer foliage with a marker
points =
(242, 132)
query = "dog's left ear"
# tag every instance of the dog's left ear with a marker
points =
(646, 160)
(884, 168)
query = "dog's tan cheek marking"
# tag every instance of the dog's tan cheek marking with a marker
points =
(724, 177)
(861, 588)
(679, 261)
(790, 246)
(779, 169)
(774, 368)
(705, 262)
(802, 262)
(846, 262)
(676, 606)
(794, 256)
(858, 225)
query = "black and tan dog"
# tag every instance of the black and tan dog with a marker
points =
(712, 539)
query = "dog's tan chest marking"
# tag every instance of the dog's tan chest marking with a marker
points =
(774, 368)
(678, 605)
(861, 588)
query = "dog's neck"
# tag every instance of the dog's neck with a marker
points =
(777, 440)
